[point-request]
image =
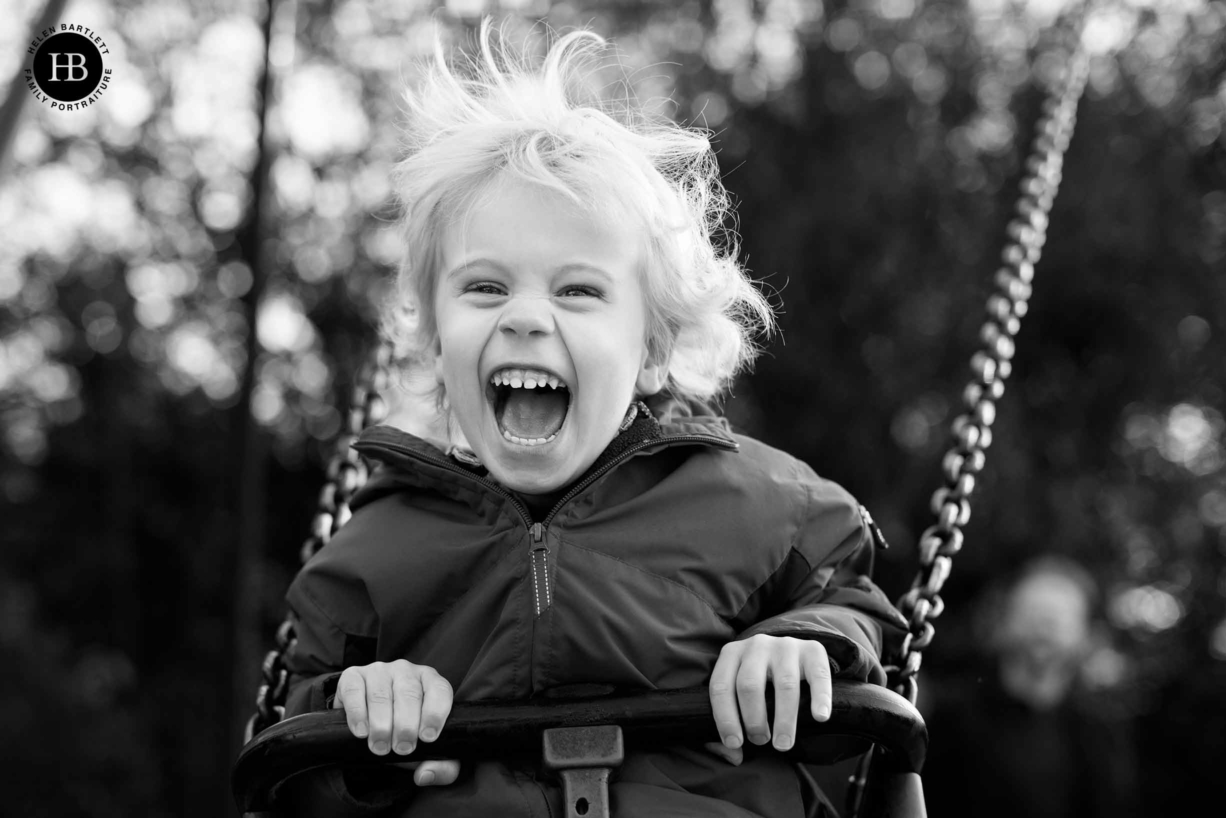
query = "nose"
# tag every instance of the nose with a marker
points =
(526, 315)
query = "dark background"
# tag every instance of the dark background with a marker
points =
(151, 522)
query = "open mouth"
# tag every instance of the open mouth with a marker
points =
(530, 405)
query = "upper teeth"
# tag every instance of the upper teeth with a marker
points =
(526, 379)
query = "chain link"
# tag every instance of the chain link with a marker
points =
(990, 368)
(346, 474)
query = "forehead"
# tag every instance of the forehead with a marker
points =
(518, 221)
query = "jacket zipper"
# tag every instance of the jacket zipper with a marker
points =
(540, 569)
(539, 555)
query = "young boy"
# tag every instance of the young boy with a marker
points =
(590, 521)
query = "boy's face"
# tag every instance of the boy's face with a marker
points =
(530, 290)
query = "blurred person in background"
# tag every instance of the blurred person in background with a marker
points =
(1024, 736)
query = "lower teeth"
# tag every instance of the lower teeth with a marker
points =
(536, 441)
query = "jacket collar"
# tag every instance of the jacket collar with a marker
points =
(681, 418)
(418, 462)
(663, 420)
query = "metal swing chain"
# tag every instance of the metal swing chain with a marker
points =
(991, 366)
(345, 475)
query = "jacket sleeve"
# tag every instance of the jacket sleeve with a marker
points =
(335, 625)
(823, 590)
(334, 628)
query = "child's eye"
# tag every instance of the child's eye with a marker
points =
(484, 288)
(573, 290)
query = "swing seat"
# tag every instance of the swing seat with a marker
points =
(872, 717)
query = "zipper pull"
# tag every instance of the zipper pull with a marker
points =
(878, 537)
(540, 569)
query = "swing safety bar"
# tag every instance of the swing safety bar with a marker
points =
(478, 730)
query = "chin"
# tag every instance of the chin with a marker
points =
(529, 470)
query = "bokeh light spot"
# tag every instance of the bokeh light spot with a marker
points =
(282, 326)
(872, 70)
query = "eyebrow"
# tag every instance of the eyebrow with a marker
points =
(579, 267)
(576, 267)
(475, 262)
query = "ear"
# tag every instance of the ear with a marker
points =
(438, 362)
(653, 373)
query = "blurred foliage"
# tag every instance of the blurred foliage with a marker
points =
(873, 148)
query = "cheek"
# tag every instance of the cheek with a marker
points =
(635, 344)
(603, 347)
(455, 363)
(611, 361)
(457, 331)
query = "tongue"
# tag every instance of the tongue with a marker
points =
(534, 413)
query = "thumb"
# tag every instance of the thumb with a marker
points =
(732, 756)
(437, 773)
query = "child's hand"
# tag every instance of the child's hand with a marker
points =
(392, 704)
(740, 677)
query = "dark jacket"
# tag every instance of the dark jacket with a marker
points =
(681, 538)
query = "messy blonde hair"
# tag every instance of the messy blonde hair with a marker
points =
(496, 115)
